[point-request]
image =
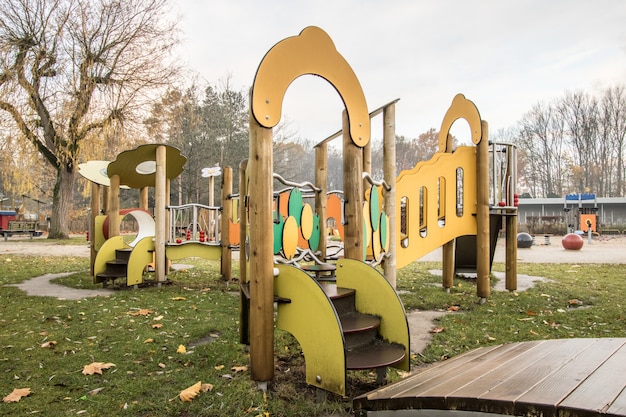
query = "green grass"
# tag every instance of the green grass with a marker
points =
(198, 307)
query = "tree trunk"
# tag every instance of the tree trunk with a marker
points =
(62, 202)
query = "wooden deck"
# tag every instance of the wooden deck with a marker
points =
(564, 377)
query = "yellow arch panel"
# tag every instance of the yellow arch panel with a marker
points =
(461, 108)
(311, 52)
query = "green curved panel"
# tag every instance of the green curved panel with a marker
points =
(374, 208)
(311, 318)
(278, 234)
(295, 205)
(314, 240)
(377, 297)
(384, 231)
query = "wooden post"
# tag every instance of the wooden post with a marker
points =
(243, 222)
(321, 181)
(389, 172)
(447, 258)
(353, 195)
(483, 287)
(160, 202)
(114, 207)
(511, 252)
(227, 208)
(143, 198)
(95, 211)
(261, 253)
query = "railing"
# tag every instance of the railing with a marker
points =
(194, 223)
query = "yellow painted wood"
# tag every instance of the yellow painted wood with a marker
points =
(311, 52)
(375, 295)
(312, 320)
(140, 257)
(290, 237)
(376, 244)
(385, 235)
(107, 253)
(461, 108)
(426, 174)
(209, 251)
(98, 232)
(306, 221)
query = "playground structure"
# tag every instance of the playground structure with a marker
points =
(173, 233)
(581, 210)
(17, 222)
(439, 201)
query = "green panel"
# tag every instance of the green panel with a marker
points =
(314, 240)
(374, 295)
(295, 204)
(384, 231)
(278, 234)
(141, 256)
(311, 318)
(211, 252)
(374, 208)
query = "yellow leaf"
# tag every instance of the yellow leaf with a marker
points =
(219, 367)
(241, 368)
(178, 298)
(189, 393)
(49, 344)
(181, 349)
(206, 387)
(142, 312)
(16, 395)
(157, 326)
(96, 368)
(158, 318)
(161, 365)
(150, 340)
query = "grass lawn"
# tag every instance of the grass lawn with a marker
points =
(141, 331)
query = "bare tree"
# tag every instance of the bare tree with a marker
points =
(614, 130)
(70, 68)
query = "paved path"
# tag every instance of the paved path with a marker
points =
(41, 286)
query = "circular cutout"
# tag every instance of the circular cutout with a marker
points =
(290, 237)
(306, 221)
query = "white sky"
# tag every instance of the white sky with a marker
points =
(504, 55)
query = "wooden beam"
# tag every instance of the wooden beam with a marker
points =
(389, 172)
(483, 267)
(227, 208)
(321, 181)
(160, 203)
(353, 196)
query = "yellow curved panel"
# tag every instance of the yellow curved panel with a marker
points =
(141, 256)
(306, 221)
(374, 295)
(290, 237)
(311, 52)
(107, 253)
(311, 318)
(461, 108)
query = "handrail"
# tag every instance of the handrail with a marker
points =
(298, 185)
(372, 181)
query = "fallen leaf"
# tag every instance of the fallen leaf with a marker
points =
(437, 330)
(16, 395)
(96, 368)
(241, 368)
(49, 344)
(219, 367)
(454, 308)
(206, 387)
(95, 391)
(157, 325)
(149, 340)
(181, 349)
(158, 318)
(178, 299)
(142, 312)
(190, 393)
(161, 365)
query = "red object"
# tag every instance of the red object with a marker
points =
(201, 235)
(188, 234)
(179, 241)
(502, 203)
(572, 241)
(87, 236)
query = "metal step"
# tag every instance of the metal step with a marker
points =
(375, 355)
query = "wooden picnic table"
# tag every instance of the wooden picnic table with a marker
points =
(564, 377)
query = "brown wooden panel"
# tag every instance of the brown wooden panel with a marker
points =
(601, 388)
(545, 396)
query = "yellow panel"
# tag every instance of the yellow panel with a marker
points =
(312, 320)
(461, 108)
(141, 256)
(106, 254)
(306, 221)
(311, 52)
(98, 232)
(427, 174)
(374, 295)
(290, 237)
(208, 251)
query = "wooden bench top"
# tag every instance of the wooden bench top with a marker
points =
(564, 377)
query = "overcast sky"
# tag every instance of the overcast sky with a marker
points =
(505, 56)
